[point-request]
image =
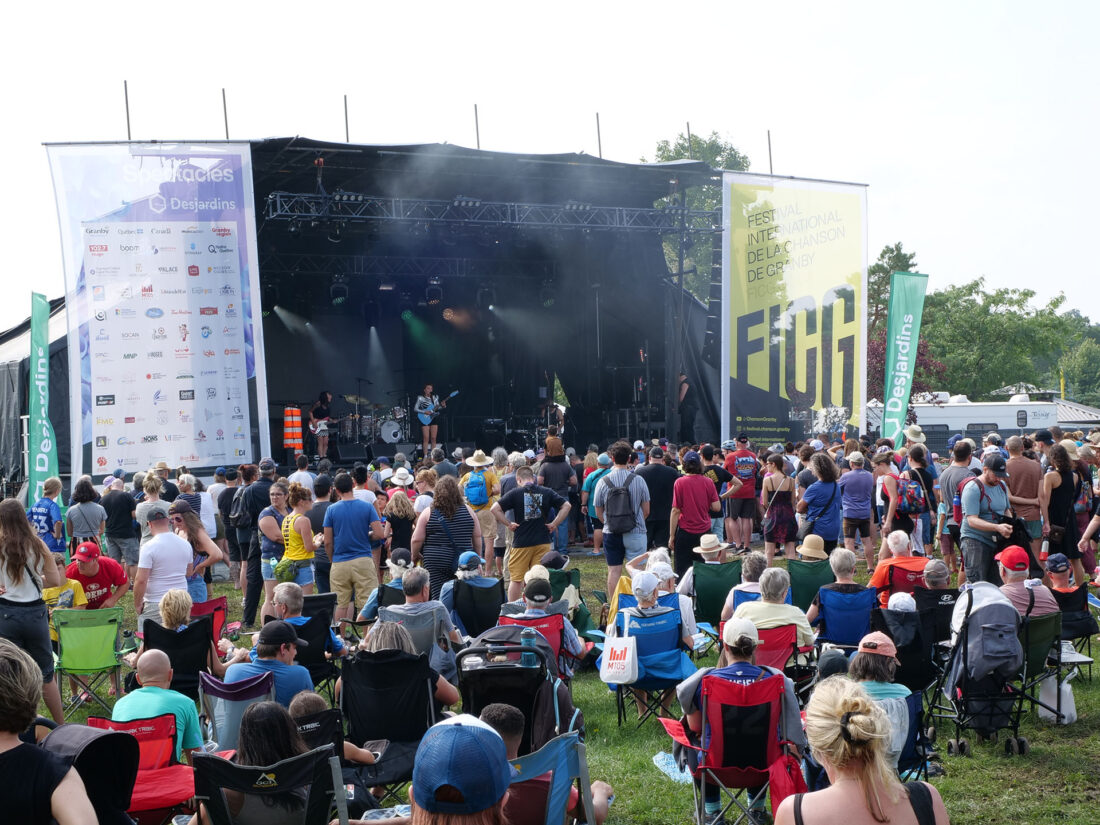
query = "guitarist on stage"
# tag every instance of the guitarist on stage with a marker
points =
(428, 406)
(319, 416)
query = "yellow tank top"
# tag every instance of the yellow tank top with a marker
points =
(293, 546)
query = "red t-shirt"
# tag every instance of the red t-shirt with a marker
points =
(692, 496)
(743, 465)
(98, 587)
(526, 801)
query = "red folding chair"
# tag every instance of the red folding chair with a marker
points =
(740, 746)
(164, 786)
(552, 628)
(779, 648)
(217, 608)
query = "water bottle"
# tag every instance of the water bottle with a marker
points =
(527, 638)
(1044, 551)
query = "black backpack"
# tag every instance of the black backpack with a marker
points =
(238, 510)
(618, 507)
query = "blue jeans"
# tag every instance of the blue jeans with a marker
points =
(561, 534)
(718, 527)
(924, 534)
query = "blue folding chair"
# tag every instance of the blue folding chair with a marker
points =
(564, 759)
(742, 596)
(846, 617)
(913, 761)
(662, 662)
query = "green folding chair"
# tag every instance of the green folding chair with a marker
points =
(87, 651)
(582, 617)
(806, 579)
(712, 583)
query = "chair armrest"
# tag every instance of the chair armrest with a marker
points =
(675, 728)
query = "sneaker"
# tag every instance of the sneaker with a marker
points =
(758, 816)
(712, 819)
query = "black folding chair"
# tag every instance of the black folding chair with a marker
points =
(1078, 623)
(107, 762)
(188, 650)
(478, 607)
(319, 603)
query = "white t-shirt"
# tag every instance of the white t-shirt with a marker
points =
(422, 503)
(215, 490)
(206, 513)
(166, 557)
(303, 477)
(364, 495)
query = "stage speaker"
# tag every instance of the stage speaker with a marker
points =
(389, 450)
(350, 453)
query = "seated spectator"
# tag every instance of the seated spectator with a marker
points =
(537, 571)
(309, 702)
(772, 609)
(392, 636)
(399, 561)
(471, 569)
(1029, 596)
(752, 567)
(103, 579)
(902, 602)
(156, 698)
(276, 647)
(713, 552)
(536, 598)
(415, 583)
(267, 735)
(526, 801)
(39, 788)
(902, 557)
(69, 595)
(849, 735)
(288, 600)
(1058, 568)
(737, 664)
(936, 575)
(843, 562)
(875, 665)
(666, 583)
(812, 549)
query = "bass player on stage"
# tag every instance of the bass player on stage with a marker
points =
(319, 416)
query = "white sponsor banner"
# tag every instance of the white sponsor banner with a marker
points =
(163, 350)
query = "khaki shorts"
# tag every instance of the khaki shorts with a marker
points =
(522, 559)
(488, 525)
(353, 578)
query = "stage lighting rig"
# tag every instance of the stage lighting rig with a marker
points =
(462, 200)
(334, 232)
(486, 297)
(433, 294)
(338, 292)
(577, 206)
(269, 299)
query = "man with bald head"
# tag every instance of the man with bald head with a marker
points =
(156, 698)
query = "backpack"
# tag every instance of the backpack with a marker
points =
(618, 508)
(238, 512)
(911, 498)
(477, 493)
(1082, 503)
(956, 500)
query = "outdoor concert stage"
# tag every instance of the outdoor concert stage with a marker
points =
(385, 268)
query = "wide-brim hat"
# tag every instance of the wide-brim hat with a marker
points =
(812, 547)
(401, 478)
(710, 544)
(1071, 448)
(915, 434)
(479, 459)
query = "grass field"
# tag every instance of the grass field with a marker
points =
(1058, 782)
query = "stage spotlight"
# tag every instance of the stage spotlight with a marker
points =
(462, 200)
(372, 313)
(448, 314)
(492, 308)
(268, 299)
(433, 294)
(577, 206)
(294, 229)
(546, 294)
(387, 286)
(334, 233)
(338, 292)
(486, 297)
(407, 315)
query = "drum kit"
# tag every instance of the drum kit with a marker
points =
(376, 422)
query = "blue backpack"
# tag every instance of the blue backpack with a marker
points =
(477, 493)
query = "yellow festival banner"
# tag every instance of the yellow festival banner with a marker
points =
(794, 329)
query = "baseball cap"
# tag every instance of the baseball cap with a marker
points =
(1015, 558)
(87, 551)
(663, 571)
(691, 455)
(879, 644)
(267, 465)
(528, 453)
(994, 438)
(953, 440)
(777, 448)
(279, 633)
(644, 583)
(742, 437)
(817, 444)
(220, 471)
(735, 628)
(402, 558)
(902, 601)
(996, 463)
(118, 473)
(1045, 436)
(157, 515)
(382, 459)
(639, 445)
(662, 442)
(1056, 563)
(468, 756)
(603, 459)
(537, 591)
(231, 474)
(470, 560)
(553, 560)
(656, 452)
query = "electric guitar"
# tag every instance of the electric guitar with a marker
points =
(314, 426)
(429, 415)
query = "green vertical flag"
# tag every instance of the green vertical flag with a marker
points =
(902, 334)
(41, 444)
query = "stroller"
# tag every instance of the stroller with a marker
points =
(984, 661)
(492, 670)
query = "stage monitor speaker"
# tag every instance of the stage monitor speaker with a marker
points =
(350, 453)
(390, 450)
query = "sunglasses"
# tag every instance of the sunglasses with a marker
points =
(176, 519)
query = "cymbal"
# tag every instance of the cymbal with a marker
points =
(356, 399)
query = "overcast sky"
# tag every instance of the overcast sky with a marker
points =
(974, 124)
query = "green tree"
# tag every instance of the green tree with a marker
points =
(890, 259)
(1081, 367)
(720, 154)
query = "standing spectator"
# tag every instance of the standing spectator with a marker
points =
(1025, 477)
(721, 478)
(244, 524)
(919, 471)
(257, 497)
(531, 526)
(163, 565)
(694, 501)
(441, 465)
(45, 516)
(103, 579)
(39, 787)
(983, 501)
(400, 519)
(225, 507)
(659, 479)
(26, 567)
(86, 518)
(1056, 502)
(217, 485)
(443, 531)
(588, 500)
(170, 490)
(152, 486)
(425, 488)
(821, 502)
(119, 540)
(349, 526)
(298, 547)
(623, 546)
(954, 475)
(322, 564)
(270, 534)
(856, 488)
(302, 475)
(205, 552)
(557, 474)
(480, 488)
(777, 494)
(743, 465)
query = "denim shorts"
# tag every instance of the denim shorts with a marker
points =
(267, 570)
(619, 547)
(124, 550)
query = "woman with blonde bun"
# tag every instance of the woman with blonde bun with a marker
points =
(848, 734)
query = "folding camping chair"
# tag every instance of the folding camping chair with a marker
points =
(845, 618)
(902, 580)
(107, 762)
(163, 786)
(581, 618)
(218, 609)
(806, 579)
(942, 605)
(316, 603)
(564, 759)
(428, 636)
(389, 596)
(188, 650)
(314, 774)
(323, 671)
(914, 636)
(740, 744)
(712, 583)
(1040, 637)
(551, 627)
(87, 644)
(779, 649)
(742, 596)
(660, 661)
(388, 695)
(913, 761)
(478, 607)
(223, 704)
(1078, 623)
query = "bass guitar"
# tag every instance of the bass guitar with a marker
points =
(330, 423)
(429, 415)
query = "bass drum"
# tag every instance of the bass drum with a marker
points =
(390, 431)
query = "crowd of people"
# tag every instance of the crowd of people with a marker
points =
(649, 510)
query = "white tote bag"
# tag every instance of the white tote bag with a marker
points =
(619, 665)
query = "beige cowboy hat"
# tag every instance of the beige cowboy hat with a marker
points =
(915, 434)
(479, 459)
(401, 478)
(1071, 448)
(709, 544)
(812, 547)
